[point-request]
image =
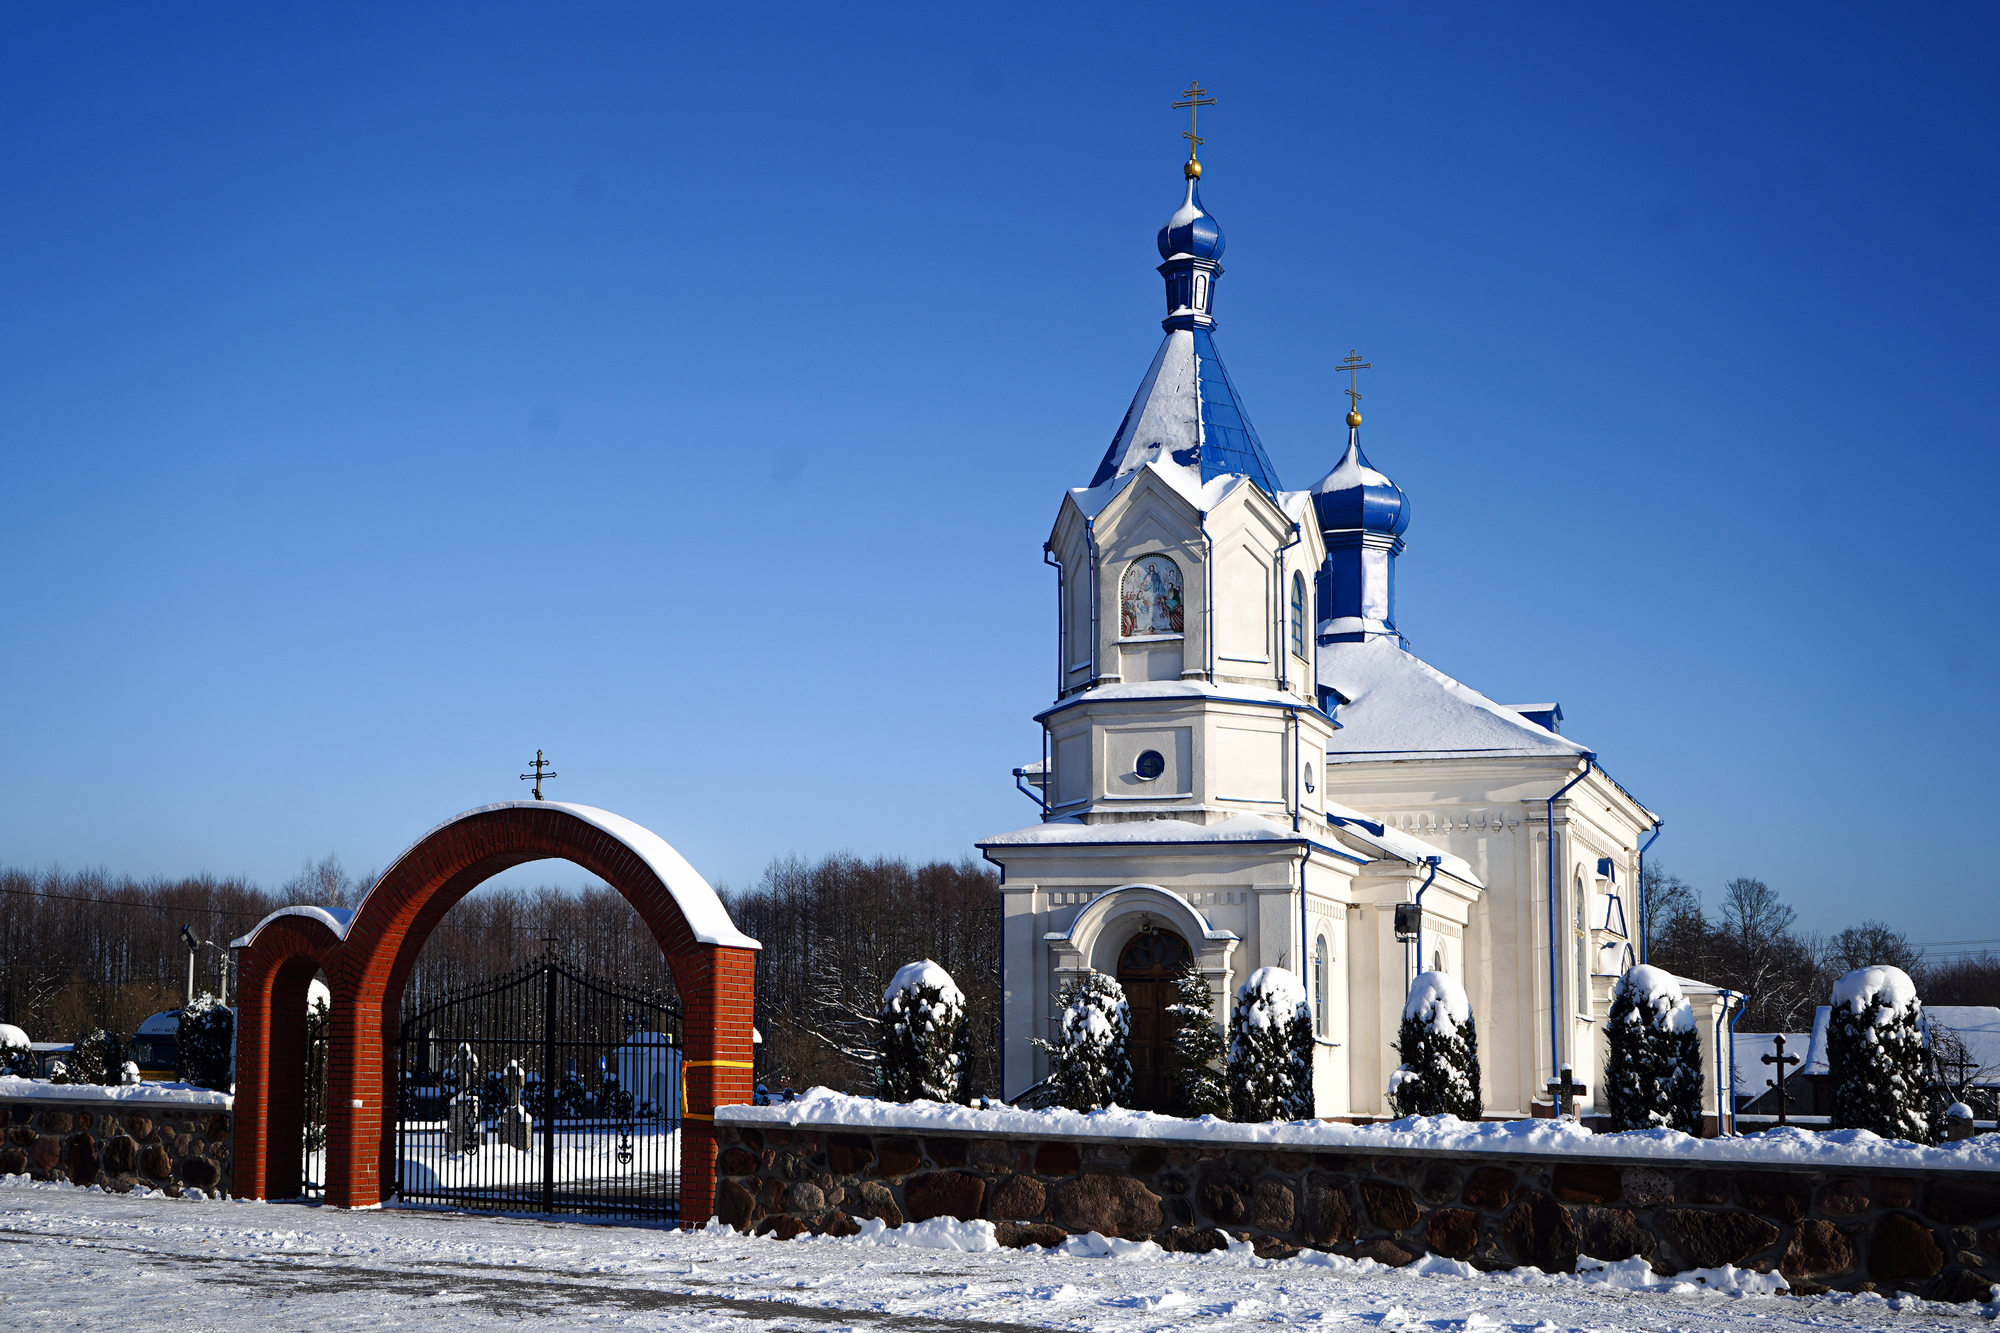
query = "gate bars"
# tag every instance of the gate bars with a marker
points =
(542, 1091)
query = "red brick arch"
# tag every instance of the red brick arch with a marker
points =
(368, 955)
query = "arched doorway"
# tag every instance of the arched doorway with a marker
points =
(368, 952)
(1146, 970)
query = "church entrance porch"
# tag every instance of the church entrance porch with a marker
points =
(1146, 971)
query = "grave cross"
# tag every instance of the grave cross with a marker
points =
(1564, 1092)
(539, 764)
(1780, 1060)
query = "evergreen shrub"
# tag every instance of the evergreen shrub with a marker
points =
(923, 1036)
(1875, 1054)
(1440, 1048)
(1090, 1066)
(95, 1059)
(1653, 1077)
(1270, 1049)
(1199, 1047)
(202, 1043)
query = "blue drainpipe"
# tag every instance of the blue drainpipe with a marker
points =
(1555, 955)
(1418, 966)
(1645, 902)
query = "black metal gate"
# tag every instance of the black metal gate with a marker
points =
(542, 1091)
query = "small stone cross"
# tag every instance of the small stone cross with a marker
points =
(1565, 1091)
(1780, 1060)
(513, 1081)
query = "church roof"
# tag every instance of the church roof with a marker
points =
(1188, 413)
(1398, 705)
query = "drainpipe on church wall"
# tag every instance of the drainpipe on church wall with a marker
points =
(1208, 597)
(1555, 953)
(1090, 539)
(1284, 640)
(1645, 899)
(1417, 965)
(1062, 625)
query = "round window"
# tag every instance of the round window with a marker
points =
(1150, 765)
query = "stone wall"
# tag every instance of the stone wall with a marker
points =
(1936, 1234)
(117, 1144)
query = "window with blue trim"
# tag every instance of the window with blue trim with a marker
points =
(1299, 614)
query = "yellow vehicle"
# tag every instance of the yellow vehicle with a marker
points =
(156, 1047)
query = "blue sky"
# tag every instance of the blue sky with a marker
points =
(388, 391)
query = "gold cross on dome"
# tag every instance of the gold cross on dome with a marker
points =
(1354, 365)
(1195, 100)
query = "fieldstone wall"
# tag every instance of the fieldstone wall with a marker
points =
(117, 1145)
(1935, 1234)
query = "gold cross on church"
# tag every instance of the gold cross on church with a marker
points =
(1354, 365)
(1194, 101)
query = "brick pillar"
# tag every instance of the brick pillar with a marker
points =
(248, 1139)
(717, 992)
(354, 1075)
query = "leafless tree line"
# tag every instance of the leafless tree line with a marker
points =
(835, 931)
(1749, 944)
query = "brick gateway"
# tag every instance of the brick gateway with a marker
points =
(367, 955)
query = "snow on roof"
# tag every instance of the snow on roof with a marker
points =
(1397, 843)
(1185, 482)
(1179, 689)
(1978, 1026)
(163, 1024)
(1188, 415)
(1815, 1061)
(1752, 1047)
(707, 918)
(912, 975)
(1057, 832)
(1399, 704)
(1846, 1149)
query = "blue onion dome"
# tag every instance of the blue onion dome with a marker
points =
(1191, 231)
(1354, 495)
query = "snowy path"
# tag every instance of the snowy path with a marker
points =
(73, 1258)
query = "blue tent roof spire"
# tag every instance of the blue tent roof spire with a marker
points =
(1187, 411)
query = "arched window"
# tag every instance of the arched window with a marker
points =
(1149, 598)
(1322, 964)
(1582, 946)
(1299, 614)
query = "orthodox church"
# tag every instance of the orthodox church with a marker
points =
(1244, 763)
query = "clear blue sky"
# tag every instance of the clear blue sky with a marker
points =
(386, 391)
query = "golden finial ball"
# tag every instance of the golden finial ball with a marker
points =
(1192, 170)
(1353, 418)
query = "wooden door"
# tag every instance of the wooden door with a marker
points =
(1146, 970)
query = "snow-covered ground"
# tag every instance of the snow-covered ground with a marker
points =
(80, 1258)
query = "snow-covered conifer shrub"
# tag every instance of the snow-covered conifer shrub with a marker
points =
(923, 1036)
(1198, 1047)
(1653, 1078)
(16, 1058)
(1270, 1049)
(1875, 1054)
(202, 1043)
(1440, 1049)
(95, 1059)
(1089, 1065)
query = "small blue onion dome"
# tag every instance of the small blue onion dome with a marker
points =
(1354, 495)
(1191, 231)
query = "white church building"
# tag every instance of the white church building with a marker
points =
(1243, 761)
